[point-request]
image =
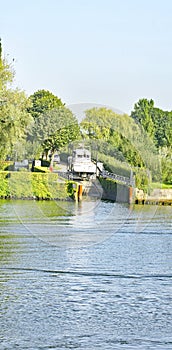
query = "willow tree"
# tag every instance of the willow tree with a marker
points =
(14, 118)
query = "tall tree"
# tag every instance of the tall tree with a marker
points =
(14, 119)
(156, 122)
(63, 128)
(54, 125)
(6, 74)
(43, 101)
(120, 132)
(142, 114)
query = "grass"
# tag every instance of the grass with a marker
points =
(34, 185)
(160, 185)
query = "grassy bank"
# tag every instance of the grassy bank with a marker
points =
(34, 186)
(161, 185)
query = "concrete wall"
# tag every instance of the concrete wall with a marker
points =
(115, 191)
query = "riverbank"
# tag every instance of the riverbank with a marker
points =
(40, 186)
(50, 186)
(157, 196)
(120, 193)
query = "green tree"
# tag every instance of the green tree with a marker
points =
(142, 114)
(105, 125)
(43, 101)
(14, 118)
(54, 125)
(6, 75)
(156, 122)
(55, 129)
(163, 127)
(63, 129)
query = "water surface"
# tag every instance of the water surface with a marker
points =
(93, 275)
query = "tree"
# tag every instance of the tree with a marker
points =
(54, 125)
(156, 122)
(143, 114)
(43, 101)
(105, 125)
(6, 74)
(64, 129)
(54, 129)
(14, 118)
(163, 127)
(14, 121)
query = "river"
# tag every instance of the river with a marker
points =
(90, 275)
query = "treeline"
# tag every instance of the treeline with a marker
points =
(41, 124)
(34, 125)
(126, 141)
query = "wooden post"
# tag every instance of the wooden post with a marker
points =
(130, 193)
(80, 190)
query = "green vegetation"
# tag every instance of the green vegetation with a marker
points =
(54, 125)
(160, 185)
(14, 118)
(136, 142)
(156, 122)
(121, 144)
(34, 185)
(40, 125)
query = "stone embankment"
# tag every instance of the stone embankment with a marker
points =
(157, 196)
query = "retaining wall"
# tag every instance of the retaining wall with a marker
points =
(115, 191)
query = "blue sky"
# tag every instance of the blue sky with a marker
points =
(111, 52)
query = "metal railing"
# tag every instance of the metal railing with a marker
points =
(129, 181)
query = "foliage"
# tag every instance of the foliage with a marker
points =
(33, 185)
(41, 169)
(108, 184)
(4, 188)
(120, 135)
(43, 101)
(167, 171)
(114, 165)
(142, 114)
(6, 74)
(156, 122)
(14, 118)
(42, 124)
(63, 129)
(142, 179)
(5, 165)
(29, 150)
(54, 125)
(14, 121)
(160, 185)
(72, 189)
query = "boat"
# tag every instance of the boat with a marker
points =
(81, 165)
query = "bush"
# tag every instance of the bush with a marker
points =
(6, 165)
(34, 185)
(41, 169)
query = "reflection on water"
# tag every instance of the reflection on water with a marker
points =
(67, 223)
(92, 275)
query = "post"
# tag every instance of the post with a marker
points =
(130, 195)
(80, 190)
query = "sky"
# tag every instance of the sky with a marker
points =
(110, 52)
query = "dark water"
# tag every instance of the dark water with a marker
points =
(90, 276)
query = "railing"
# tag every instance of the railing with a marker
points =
(64, 174)
(123, 179)
(105, 174)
